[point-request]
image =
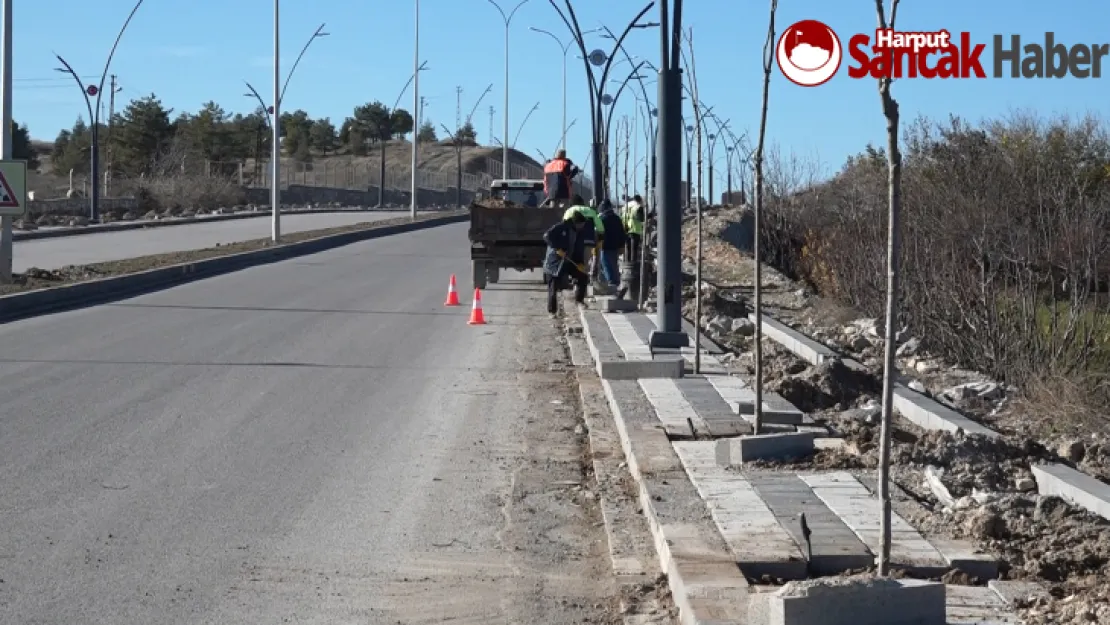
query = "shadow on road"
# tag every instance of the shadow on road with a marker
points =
(289, 365)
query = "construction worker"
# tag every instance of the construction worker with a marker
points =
(592, 234)
(633, 215)
(611, 244)
(557, 175)
(559, 267)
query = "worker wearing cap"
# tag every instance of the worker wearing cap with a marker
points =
(592, 234)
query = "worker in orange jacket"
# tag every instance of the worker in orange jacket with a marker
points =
(557, 176)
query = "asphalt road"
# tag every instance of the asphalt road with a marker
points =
(312, 441)
(83, 249)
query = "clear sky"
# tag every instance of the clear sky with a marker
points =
(191, 52)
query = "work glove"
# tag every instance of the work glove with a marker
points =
(560, 253)
(582, 267)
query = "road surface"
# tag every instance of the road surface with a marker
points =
(312, 441)
(83, 249)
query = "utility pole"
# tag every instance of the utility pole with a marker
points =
(115, 88)
(7, 242)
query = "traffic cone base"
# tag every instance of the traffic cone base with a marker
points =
(452, 293)
(477, 317)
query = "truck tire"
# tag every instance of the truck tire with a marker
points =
(493, 273)
(479, 274)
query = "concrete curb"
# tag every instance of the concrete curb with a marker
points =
(706, 584)
(1075, 486)
(82, 294)
(917, 408)
(70, 231)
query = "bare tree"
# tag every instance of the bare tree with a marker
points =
(757, 278)
(893, 249)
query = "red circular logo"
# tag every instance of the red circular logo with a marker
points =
(91, 90)
(809, 53)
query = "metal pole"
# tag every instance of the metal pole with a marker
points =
(7, 244)
(505, 114)
(565, 98)
(669, 187)
(415, 106)
(275, 140)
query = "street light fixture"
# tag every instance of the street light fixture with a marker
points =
(381, 143)
(97, 91)
(565, 48)
(269, 110)
(273, 116)
(521, 129)
(600, 59)
(504, 146)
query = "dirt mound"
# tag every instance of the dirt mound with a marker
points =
(832, 384)
(973, 462)
(494, 203)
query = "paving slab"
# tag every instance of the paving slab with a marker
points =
(1012, 593)
(853, 503)
(719, 418)
(977, 605)
(674, 411)
(750, 529)
(611, 360)
(961, 555)
(835, 547)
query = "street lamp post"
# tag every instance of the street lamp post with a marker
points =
(505, 142)
(415, 107)
(669, 280)
(96, 91)
(273, 116)
(381, 143)
(565, 48)
(7, 242)
(599, 58)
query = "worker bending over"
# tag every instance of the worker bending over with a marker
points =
(592, 233)
(559, 267)
(557, 176)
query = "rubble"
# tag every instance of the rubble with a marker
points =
(970, 487)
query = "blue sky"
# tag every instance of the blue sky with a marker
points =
(204, 52)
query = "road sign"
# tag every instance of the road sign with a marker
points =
(598, 57)
(13, 188)
(92, 90)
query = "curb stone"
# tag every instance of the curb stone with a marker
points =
(82, 294)
(630, 561)
(142, 224)
(705, 582)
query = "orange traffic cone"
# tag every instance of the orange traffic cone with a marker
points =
(477, 318)
(452, 294)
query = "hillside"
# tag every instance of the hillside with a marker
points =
(337, 169)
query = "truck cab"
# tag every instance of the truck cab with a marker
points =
(527, 193)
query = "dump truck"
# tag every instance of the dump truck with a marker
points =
(507, 228)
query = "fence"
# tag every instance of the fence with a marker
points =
(437, 172)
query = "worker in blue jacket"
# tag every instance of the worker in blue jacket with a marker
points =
(559, 265)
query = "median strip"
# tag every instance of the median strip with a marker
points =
(39, 291)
